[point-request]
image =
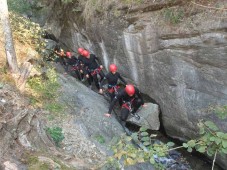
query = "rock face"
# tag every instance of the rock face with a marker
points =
(20, 128)
(177, 57)
(87, 132)
(149, 117)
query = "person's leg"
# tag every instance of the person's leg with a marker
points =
(95, 78)
(112, 95)
(89, 80)
(101, 74)
(124, 114)
(78, 74)
(136, 104)
(82, 76)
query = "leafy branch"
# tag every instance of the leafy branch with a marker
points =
(211, 141)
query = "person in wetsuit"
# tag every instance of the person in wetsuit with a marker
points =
(73, 64)
(112, 78)
(81, 58)
(92, 69)
(61, 58)
(131, 101)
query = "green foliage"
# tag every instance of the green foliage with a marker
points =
(27, 32)
(211, 140)
(221, 112)
(56, 134)
(174, 16)
(19, 6)
(45, 91)
(46, 87)
(100, 139)
(124, 149)
(54, 107)
(35, 164)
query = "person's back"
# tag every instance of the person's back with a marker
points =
(122, 95)
(72, 61)
(91, 62)
(112, 78)
(92, 68)
(131, 101)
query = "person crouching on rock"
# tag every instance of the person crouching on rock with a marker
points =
(131, 100)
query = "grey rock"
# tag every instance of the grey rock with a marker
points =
(149, 117)
(183, 67)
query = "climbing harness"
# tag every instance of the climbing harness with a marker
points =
(128, 105)
(96, 71)
(75, 67)
(113, 89)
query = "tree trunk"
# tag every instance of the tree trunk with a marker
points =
(9, 45)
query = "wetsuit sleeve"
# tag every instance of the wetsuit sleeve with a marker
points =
(103, 82)
(139, 95)
(98, 60)
(85, 70)
(80, 59)
(122, 79)
(69, 61)
(114, 101)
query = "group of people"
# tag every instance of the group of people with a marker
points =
(88, 66)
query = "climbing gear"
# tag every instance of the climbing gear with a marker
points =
(113, 89)
(80, 50)
(75, 67)
(128, 105)
(85, 53)
(96, 71)
(68, 54)
(113, 68)
(130, 90)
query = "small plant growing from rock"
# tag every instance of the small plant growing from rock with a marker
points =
(100, 139)
(56, 134)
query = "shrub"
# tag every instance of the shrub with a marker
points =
(56, 134)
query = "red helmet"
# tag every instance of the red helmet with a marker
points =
(113, 68)
(85, 53)
(80, 50)
(68, 54)
(130, 89)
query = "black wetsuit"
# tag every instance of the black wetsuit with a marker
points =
(61, 57)
(91, 65)
(135, 101)
(73, 66)
(112, 80)
(81, 58)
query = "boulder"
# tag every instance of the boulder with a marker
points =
(149, 117)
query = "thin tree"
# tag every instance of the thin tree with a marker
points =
(9, 45)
